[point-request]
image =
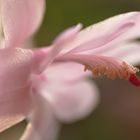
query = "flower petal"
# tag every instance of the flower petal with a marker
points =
(104, 39)
(132, 55)
(46, 56)
(15, 70)
(15, 102)
(117, 28)
(112, 30)
(72, 101)
(128, 51)
(63, 39)
(42, 124)
(65, 72)
(20, 19)
(64, 86)
(15, 65)
(14, 96)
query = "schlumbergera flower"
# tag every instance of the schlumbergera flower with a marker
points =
(49, 85)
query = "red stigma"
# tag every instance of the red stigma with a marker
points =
(134, 80)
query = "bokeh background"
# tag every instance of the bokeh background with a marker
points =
(118, 115)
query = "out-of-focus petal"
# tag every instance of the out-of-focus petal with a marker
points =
(15, 70)
(106, 38)
(71, 96)
(65, 72)
(73, 101)
(129, 51)
(15, 65)
(42, 123)
(61, 41)
(117, 28)
(132, 55)
(66, 36)
(46, 56)
(20, 19)
(14, 102)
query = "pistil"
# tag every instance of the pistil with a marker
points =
(134, 80)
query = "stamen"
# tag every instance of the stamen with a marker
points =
(124, 71)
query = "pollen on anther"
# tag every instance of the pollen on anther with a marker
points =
(123, 71)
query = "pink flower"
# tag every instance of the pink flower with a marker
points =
(48, 85)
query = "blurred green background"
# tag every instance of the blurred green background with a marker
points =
(118, 115)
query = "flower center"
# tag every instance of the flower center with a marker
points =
(125, 71)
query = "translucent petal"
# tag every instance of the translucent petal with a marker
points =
(20, 19)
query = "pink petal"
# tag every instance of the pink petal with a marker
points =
(110, 31)
(42, 123)
(15, 70)
(20, 19)
(66, 36)
(65, 72)
(117, 28)
(63, 86)
(45, 56)
(14, 102)
(128, 51)
(132, 55)
(72, 102)
(104, 39)
(15, 65)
